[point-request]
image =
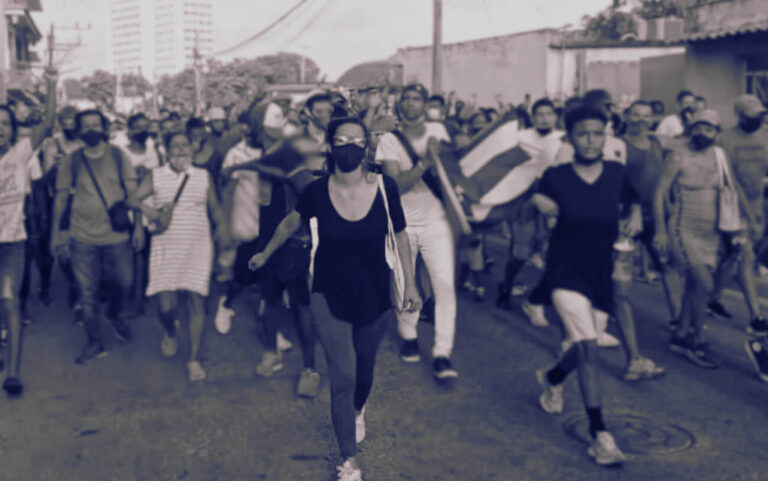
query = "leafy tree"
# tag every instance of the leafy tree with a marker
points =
(100, 88)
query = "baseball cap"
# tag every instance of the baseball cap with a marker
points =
(216, 113)
(416, 87)
(706, 116)
(749, 106)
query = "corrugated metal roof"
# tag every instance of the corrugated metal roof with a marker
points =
(745, 29)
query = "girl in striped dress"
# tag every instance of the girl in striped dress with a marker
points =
(181, 257)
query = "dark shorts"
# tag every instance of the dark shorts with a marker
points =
(11, 268)
(287, 270)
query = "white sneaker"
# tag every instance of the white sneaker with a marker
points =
(283, 344)
(348, 472)
(606, 340)
(270, 364)
(360, 426)
(537, 261)
(223, 319)
(604, 450)
(551, 400)
(535, 313)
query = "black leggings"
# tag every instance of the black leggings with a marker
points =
(350, 352)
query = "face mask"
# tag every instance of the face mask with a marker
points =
(750, 125)
(91, 138)
(544, 132)
(70, 134)
(181, 163)
(701, 142)
(348, 157)
(141, 137)
(433, 114)
(584, 161)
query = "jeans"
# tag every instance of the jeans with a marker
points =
(96, 265)
(436, 244)
(350, 352)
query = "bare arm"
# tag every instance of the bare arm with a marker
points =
(671, 171)
(40, 132)
(289, 225)
(144, 190)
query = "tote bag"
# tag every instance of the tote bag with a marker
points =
(729, 217)
(392, 254)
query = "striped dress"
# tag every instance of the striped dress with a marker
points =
(181, 258)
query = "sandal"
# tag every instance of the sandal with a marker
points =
(195, 370)
(13, 387)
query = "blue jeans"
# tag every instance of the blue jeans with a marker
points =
(94, 266)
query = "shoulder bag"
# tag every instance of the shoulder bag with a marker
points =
(728, 214)
(162, 223)
(392, 254)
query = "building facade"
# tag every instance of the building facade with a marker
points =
(158, 37)
(23, 34)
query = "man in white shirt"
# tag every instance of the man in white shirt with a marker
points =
(403, 155)
(672, 125)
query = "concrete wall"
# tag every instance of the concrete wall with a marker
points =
(621, 79)
(716, 73)
(661, 78)
(730, 14)
(512, 66)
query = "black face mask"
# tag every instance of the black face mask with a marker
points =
(701, 142)
(92, 138)
(140, 137)
(584, 161)
(750, 125)
(69, 134)
(543, 132)
(348, 157)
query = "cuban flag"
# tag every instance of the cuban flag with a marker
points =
(493, 177)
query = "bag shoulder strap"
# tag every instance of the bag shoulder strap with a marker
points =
(400, 136)
(117, 155)
(722, 167)
(383, 190)
(95, 183)
(181, 189)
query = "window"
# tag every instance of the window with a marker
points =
(757, 77)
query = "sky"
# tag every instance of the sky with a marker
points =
(337, 34)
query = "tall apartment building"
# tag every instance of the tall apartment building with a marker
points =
(158, 37)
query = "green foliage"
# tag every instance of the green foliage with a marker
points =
(100, 88)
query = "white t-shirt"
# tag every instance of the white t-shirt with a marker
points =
(420, 205)
(18, 167)
(545, 147)
(615, 150)
(670, 126)
(148, 159)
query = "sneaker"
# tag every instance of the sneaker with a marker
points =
(551, 399)
(91, 353)
(537, 261)
(758, 327)
(504, 300)
(756, 350)
(195, 371)
(480, 294)
(223, 319)
(170, 344)
(678, 344)
(535, 313)
(519, 290)
(349, 472)
(13, 387)
(604, 450)
(309, 383)
(443, 369)
(715, 307)
(270, 364)
(607, 340)
(121, 330)
(409, 352)
(283, 344)
(643, 368)
(701, 355)
(360, 426)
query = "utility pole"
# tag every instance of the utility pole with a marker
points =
(198, 76)
(437, 47)
(3, 53)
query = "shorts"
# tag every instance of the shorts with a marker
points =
(11, 268)
(579, 317)
(286, 271)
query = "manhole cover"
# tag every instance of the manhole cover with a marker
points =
(635, 434)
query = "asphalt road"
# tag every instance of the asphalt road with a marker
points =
(134, 416)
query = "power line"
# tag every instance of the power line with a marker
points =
(307, 26)
(263, 31)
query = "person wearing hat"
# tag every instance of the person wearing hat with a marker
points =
(747, 147)
(691, 233)
(217, 121)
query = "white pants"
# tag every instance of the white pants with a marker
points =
(435, 242)
(582, 322)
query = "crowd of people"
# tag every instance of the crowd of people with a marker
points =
(332, 211)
